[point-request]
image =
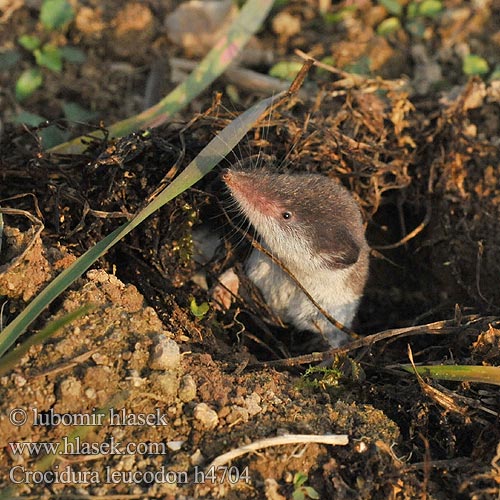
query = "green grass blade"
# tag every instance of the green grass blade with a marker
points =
(459, 373)
(249, 20)
(211, 154)
(12, 358)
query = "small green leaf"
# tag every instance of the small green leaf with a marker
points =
(199, 310)
(388, 26)
(73, 54)
(496, 73)
(29, 119)
(328, 60)
(412, 10)
(75, 113)
(299, 479)
(359, 67)
(232, 93)
(52, 136)
(475, 65)
(340, 15)
(285, 70)
(29, 42)
(55, 14)
(430, 8)
(50, 57)
(9, 59)
(298, 495)
(28, 82)
(311, 492)
(392, 6)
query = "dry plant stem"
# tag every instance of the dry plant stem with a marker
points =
(349, 79)
(293, 89)
(480, 251)
(473, 404)
(326, 67)
(67, 365)
(243, 78)
(25, 195)
(444, 400)
(331, 439)
(411, 234)
(438, 328)
(31, 218)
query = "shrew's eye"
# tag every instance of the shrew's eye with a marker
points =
(286, 215)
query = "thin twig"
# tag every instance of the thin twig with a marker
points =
(243, 78)
(332, 439)
(411, 234)
(437, 328)
(34, 239)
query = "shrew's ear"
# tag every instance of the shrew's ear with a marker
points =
(344, 249)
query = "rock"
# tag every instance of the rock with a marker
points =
(167, 383)
(285, 25)
(197, 26)
(70, 388)
(252, 404)
(166, 355)
(187, 389)
(206, 416)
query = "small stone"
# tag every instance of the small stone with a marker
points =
(252, 404)
(206, 416)
(238, 414)
(19, 380)
(285, 25)
(100, 359)
(166, 354)
(175, 445)
(167, 383)
(187, 389)
(70, 388)
(224, 412)
(197, 458)
(127, 463)
(197, 25)
(90, 393)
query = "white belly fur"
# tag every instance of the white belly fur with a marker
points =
(328, 288)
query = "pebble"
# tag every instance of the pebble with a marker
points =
(167, 383)
(206, 416)
(252, 404)
(166, 354)
(187, 389)
(70, 388)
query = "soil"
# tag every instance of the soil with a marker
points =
(399, 123)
